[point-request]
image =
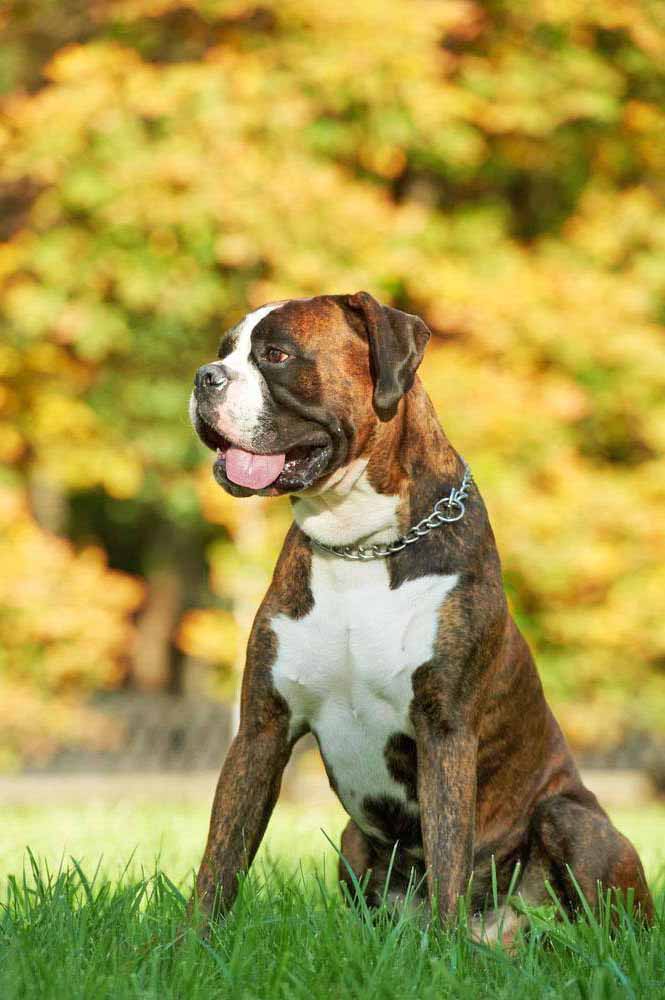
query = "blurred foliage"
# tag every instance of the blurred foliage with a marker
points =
(496, 167)
(64, 627)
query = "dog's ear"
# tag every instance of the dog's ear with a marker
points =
(397, 342)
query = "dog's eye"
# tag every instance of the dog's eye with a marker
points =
(274, 356)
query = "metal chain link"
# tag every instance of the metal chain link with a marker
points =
(454, 503)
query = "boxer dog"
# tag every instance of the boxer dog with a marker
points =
(394, 647)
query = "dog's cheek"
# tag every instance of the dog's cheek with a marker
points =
(346, 389)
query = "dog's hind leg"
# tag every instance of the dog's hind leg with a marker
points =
(386, 873)
(354, 867)
(501, 924)
(582, 846)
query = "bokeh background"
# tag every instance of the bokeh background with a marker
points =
(166, 165)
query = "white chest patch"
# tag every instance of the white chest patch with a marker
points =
(345, 669)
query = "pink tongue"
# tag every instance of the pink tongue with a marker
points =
(253, 471)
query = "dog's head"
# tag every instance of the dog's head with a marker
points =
(298, 388)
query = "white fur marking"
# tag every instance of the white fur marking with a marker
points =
(345, 669)
(239, 415)
(193, 409)
(342, 516)
(498, 927)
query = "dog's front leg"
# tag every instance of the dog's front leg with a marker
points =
(246, 794)
(447, 800)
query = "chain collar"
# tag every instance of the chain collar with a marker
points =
(447, 510)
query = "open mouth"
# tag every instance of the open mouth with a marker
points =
(243, 472)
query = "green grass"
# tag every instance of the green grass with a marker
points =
(76, 934)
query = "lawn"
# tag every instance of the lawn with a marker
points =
(108, 935)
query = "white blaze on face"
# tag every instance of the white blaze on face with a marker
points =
(192, 408)
(238, 416)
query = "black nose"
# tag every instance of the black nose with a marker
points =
(210, 377)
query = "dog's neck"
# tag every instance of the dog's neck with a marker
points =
(378, 496)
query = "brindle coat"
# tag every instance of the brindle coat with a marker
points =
(488, 765)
